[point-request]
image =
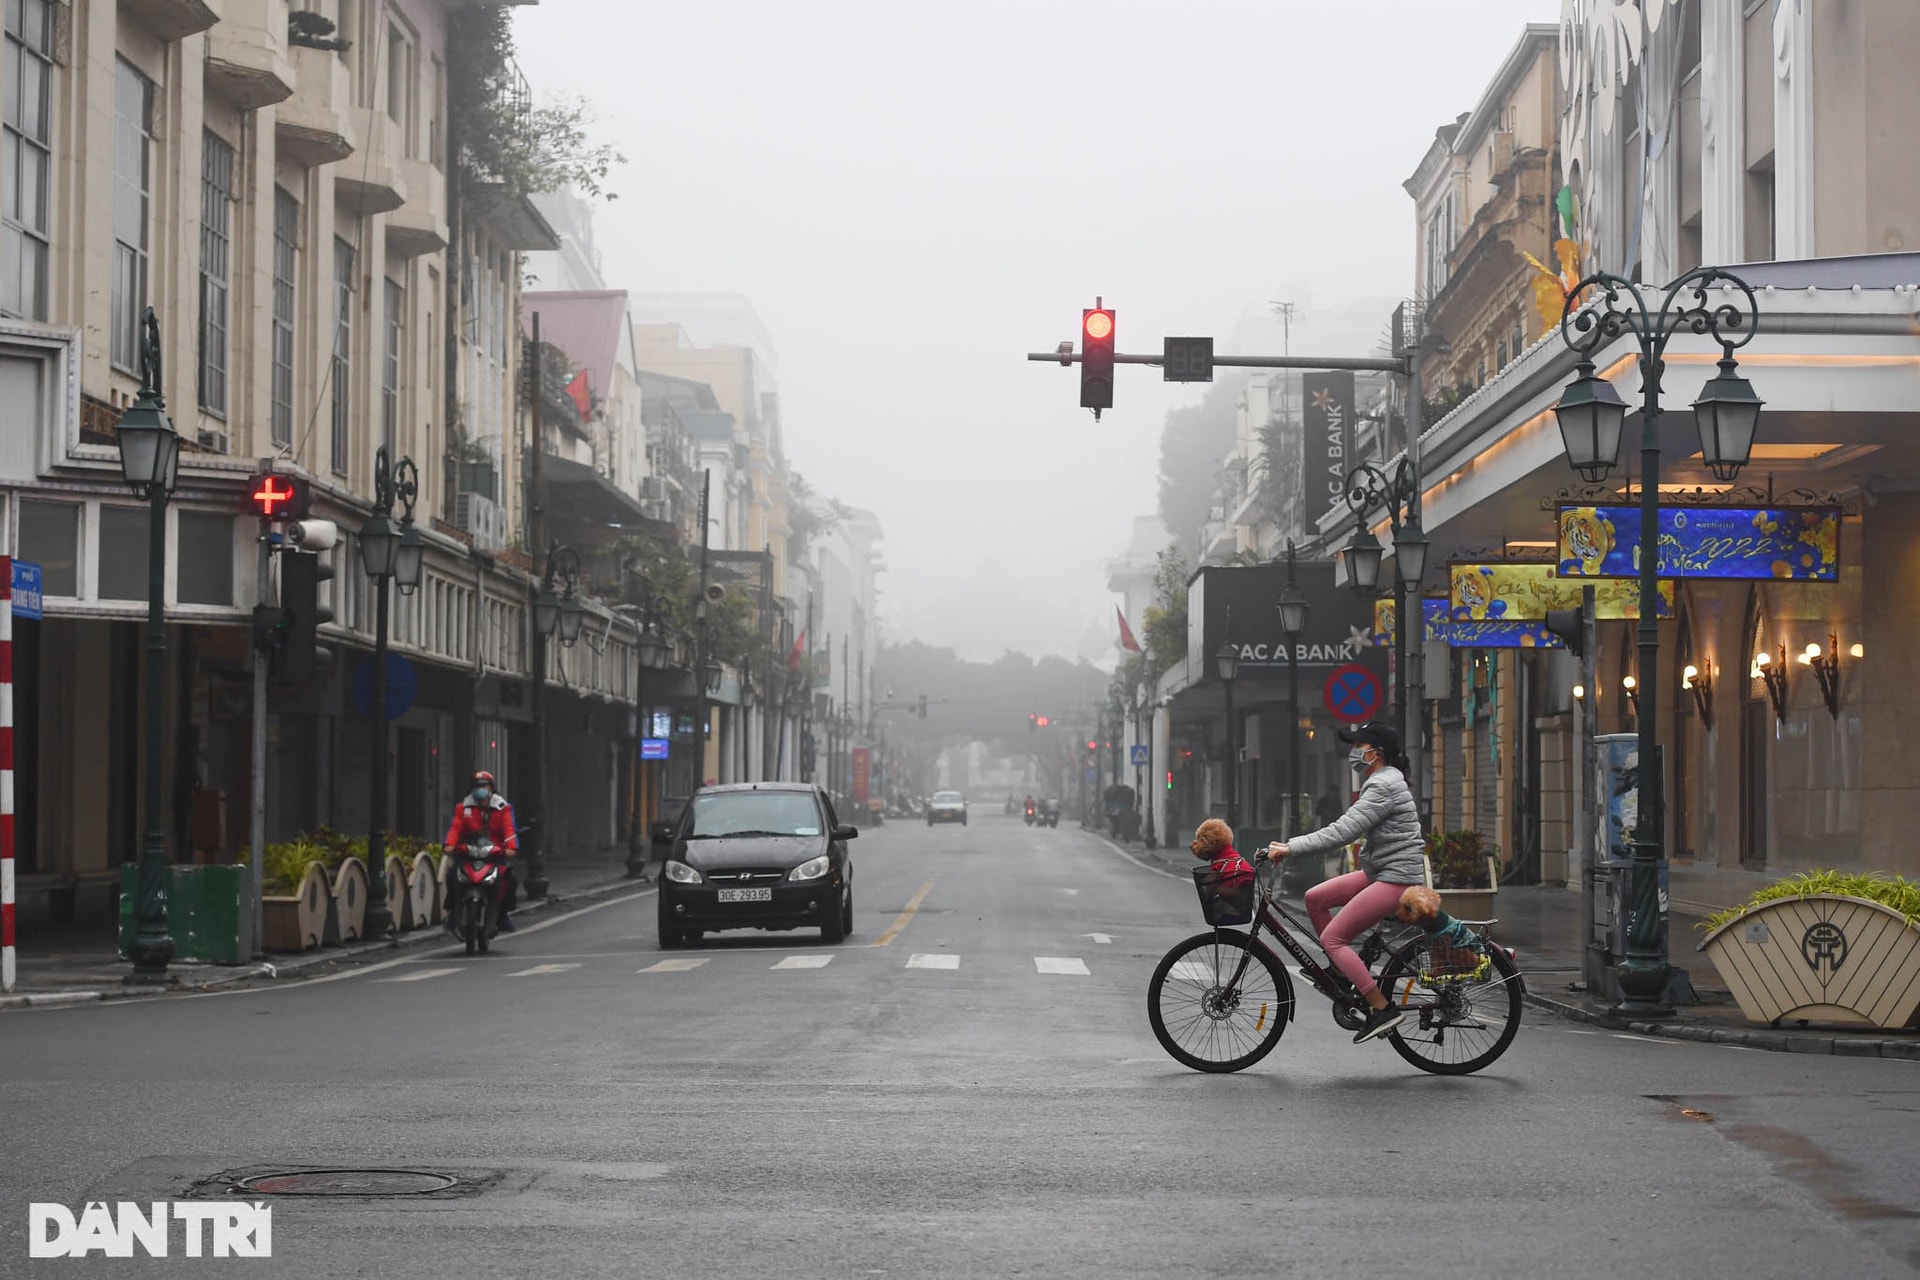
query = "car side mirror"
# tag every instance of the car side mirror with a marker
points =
(663, 833)
(845, 832)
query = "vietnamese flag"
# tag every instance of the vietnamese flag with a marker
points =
(582, 397)
(793, 654)
(1127, 641)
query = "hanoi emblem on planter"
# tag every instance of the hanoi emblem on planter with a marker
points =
(1825, 948)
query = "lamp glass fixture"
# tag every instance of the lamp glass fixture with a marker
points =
(1292, 608)
(410, 558)
(1590, 414)
(572, 615)
(1226, 662)
(1362, 556)
(1410, 553)
(546, 612)
(379, 546)
(149, 445)
(1728, 415)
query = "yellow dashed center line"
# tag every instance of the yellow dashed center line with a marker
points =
(905, 918)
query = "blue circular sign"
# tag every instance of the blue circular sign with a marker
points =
(403, 684)
(1353, 693)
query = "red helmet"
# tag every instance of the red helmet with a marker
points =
(482, 778)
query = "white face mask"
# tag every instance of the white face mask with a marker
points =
(1357, 761)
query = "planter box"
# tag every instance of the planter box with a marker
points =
(423, 897)
(1471, 904)
(297, 923)
(347, 921)
(399, 901)
(1824, 957)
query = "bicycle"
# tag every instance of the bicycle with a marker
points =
(1462, 1005)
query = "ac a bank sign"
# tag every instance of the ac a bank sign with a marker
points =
(1236, 605)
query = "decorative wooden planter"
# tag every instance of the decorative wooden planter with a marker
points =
(423, 897)
(1471, 904)
(1824, 957)
(348, 920)
(399, 901)
(299, 922)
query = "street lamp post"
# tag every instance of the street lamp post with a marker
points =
(1292, 608)
(150, 460)
(1368, 488)
(553, 612)
(651, 652)
(1227, 665)
(1591, 415)
(389, 552)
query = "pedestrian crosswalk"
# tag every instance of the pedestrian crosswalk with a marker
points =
(939, 961)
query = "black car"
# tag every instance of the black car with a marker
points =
(760, 855)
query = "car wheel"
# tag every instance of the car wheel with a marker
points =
(834, 927)
(846, 914)
(670, 933)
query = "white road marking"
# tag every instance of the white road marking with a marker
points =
(1061, 964)
(673, 966)
(1071, 893)
(420, 975)
(805, 962)
(542, 968)
(921, 960)
(1192, 971)
(1104, 939)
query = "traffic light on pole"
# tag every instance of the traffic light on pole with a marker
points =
(300, 652)
(1096, 359)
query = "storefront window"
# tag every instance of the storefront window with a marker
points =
(50, 538)
(123, 552)
(206, 558)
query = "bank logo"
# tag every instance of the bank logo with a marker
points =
(207, 1229)
(1825, 947)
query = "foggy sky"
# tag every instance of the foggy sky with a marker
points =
(914, 196)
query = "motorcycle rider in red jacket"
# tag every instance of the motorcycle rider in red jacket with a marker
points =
(486, 812)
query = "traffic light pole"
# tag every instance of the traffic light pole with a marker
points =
(257, 834)
(1360, 364)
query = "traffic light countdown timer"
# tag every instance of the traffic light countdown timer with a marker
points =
(289, 630)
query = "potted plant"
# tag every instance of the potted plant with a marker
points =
(347, 861)
(296, 894)
(1826, 946)
(1466, 871)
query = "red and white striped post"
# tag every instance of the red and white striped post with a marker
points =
(6, 774)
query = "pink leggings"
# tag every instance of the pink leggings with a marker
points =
(1363, 903)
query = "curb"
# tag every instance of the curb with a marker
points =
(1757, 1038)
(295, 966)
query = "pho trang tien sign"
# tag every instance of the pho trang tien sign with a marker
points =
(1793, 543)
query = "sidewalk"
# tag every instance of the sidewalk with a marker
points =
(1542, 924)
(78, 963)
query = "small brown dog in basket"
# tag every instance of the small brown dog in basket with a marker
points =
(1213, 840)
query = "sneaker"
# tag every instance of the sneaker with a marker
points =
(1379, 1022)
(506, 923)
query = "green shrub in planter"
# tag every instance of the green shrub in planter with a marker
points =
(1459, 859)
(1897, 892)
(283, 866)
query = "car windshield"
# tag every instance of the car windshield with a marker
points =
(753, 813)
(946, 797)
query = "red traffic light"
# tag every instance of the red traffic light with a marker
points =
(1093, 746)
(1096, 359)
(278, 498)
(1099, 325)
(1042, 721)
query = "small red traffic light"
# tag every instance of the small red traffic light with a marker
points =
(1099, 324)
(1043, 722)
(1093, 746)
(272, 496)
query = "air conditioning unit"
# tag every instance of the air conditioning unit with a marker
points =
(216, 441)
(480, 516)
(660, 511)
(653, 489)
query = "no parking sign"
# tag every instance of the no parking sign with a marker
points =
(1353, 693)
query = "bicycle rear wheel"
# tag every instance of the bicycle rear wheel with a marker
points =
(1459, 1018)
(1204, 1022)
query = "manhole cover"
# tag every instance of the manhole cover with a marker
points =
(348, 1182)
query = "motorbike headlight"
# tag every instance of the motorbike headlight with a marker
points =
(811, 869)
(681, 873)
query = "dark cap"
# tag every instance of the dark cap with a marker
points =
(1382, 736)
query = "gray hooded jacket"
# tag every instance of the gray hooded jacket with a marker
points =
(1386, 816)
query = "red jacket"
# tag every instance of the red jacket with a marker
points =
(496, 820)
(1230, 867)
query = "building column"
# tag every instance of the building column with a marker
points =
(1722, 134)
(1793, 168)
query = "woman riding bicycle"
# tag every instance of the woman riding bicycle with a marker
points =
(1392, 859)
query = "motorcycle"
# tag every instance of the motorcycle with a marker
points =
(479, 876)
(1030, 813)
(1050, 811)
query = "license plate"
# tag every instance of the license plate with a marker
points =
(746, 895)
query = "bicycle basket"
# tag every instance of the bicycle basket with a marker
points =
(1446, 962)
(1224, 899)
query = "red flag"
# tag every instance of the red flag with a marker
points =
(582, 397)
(793, 654)
(1127, 641)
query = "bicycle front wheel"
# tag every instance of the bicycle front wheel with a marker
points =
(1206, 1017)
(1462, 1010)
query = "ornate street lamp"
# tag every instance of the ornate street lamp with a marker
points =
(388, 552)
(1727, 414)
(1369, 489)
(1362, 556)
(561, 613)
(150, 458)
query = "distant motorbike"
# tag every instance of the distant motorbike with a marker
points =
(1050, 811)
(480, 881)
(1031, 814)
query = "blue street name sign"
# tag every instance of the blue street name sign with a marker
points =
(26, 589)
(653, 748)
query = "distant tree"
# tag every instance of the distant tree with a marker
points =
(1166, 618)
(1193, 444)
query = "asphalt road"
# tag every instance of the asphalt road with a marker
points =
(966, 1087)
